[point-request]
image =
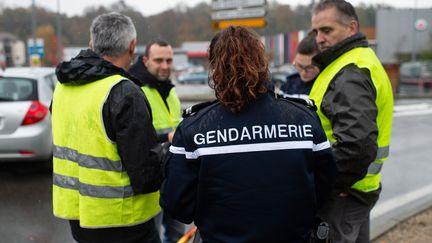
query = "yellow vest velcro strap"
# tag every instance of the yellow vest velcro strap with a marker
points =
(383, 152)
(164, 130)
(375, 168)
(87, 160)
(91, 190)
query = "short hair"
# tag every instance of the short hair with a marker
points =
(308, 45)
(239, 67)
(111, 34)
(345, 9)
(151, 42)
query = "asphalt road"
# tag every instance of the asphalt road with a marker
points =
(26, 210)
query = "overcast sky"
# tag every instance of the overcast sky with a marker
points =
(150, 7)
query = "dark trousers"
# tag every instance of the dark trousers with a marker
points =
(348, 219)
(142, 233)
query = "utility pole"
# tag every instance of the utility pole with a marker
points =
(33, 27)
(59, 33)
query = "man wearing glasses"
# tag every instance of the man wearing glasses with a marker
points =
(299, 84)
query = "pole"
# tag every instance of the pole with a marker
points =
(34, 27)
(59, 33)
(413, 54)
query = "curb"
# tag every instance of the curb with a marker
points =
(388, 214)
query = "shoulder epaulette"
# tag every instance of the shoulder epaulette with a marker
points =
(190, 111)
(306, 102)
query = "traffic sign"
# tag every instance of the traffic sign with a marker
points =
(241, 13)
(39, 49)
(229, 4)
(253, 23)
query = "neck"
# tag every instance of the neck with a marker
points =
(121, 61)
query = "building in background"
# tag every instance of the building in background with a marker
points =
(402, 32)
(12, 51)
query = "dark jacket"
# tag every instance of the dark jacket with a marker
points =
(295, 87)
(145, 78)
(256, 176)
(349, 103)
(127, 122)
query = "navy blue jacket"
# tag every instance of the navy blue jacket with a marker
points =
(256, 176)
(295, 87)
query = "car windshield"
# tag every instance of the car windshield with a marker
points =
(17, 89)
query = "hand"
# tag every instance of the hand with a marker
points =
(170, 137)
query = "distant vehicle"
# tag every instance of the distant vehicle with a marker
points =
(416, 73)
(25, 120)
(193, 78)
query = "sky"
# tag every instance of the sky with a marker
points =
(151, 7)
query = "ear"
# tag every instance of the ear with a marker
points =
(132, 46)
(90, 44)
(145, 60)
(354, 27)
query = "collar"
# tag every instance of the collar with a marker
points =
(323, 59)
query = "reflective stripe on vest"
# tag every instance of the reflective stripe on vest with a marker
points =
(87, 160)
(91, 190)
(164, 120)
(362, 58)
(90, 183)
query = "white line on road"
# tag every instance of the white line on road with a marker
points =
(412, 110)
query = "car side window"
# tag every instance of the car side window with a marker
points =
(51, 80)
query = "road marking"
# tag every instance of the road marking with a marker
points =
(412, 110)
(382, 208)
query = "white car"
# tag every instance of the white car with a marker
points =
(25, 120)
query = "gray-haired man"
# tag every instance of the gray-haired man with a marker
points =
(107, 170)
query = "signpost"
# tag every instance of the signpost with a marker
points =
(35, 51)
(228, 4)
(39, 49)
(248, 13)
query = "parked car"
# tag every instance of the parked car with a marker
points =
(416, 73)
(25, 120)
(194, 78)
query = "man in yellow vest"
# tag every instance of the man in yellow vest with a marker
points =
(153, 71)
(355, 102)
(107, 166)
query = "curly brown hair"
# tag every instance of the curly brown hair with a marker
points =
(239, 67)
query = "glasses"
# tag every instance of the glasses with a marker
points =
(307, 69)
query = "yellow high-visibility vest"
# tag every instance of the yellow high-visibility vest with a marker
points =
(164, 120)
(90, 183)
(362, 57)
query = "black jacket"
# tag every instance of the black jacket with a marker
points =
(295, 87)
(256, 176)
(145, 78)
(349, 103)
(128, 122)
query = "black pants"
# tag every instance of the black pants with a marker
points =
(348, 219)
(142, 233)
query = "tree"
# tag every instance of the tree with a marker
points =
(47, 33)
